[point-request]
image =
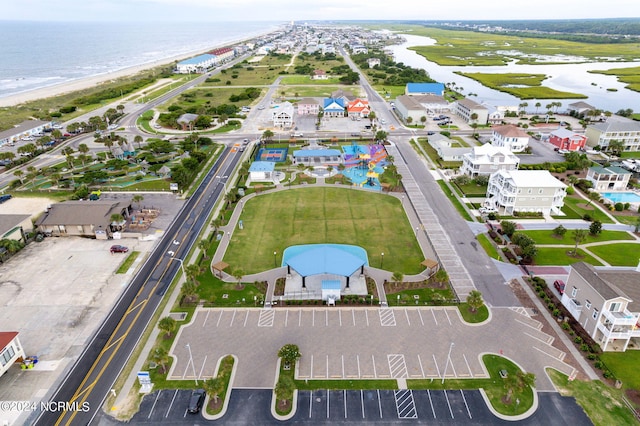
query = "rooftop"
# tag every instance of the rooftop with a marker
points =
(510, 131)
(262, 166)
(315, 259)
(532, 178)
(611, 170)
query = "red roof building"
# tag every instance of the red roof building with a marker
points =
(10, 350)
(358, 108)
(567, 140)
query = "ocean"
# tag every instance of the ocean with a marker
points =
(40, 54)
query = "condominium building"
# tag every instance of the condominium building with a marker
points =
(488, 159)
(511, 137)
(512, 191)
(615, 128)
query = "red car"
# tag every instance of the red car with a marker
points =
(119, 249)
(559, 285)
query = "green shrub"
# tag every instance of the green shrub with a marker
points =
(565, 326)
(584, 347)
(592, 356)
(598, 364)
(578, 340)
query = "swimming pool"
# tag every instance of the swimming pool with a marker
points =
(622, 197)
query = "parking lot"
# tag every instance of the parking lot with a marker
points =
(351, 343)
(252, 406)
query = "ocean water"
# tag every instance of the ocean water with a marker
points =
(39, 54)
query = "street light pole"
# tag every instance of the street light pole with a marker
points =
(193, 366)
(447, 364)
(275, 262)
(170, 253)
(381, 259)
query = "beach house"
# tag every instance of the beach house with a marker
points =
(511, 191)
(511, 137)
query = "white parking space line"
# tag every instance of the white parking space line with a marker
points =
(373, 360)
(436, 363)
(266, 318)
(447, 315)
(465, 403)
(468, 366)
(434, 316)
(448, 403)
(311, 371)
(353, 316)
(421, 369)
(420, 315)
(232, 318)
(342, 356)
(202, 368)
(379, 403)
(397, 366)
(246, 317)
(433, 410)
(362, 402)
(405, 404)
(327, 366)
(313, 318)
(366, 314)
(219, 318)
(344, 397)
(311, 401)
(326, 318)
(407, 315)
(327, 402)
(206, 317)
(286, 318)
(154, 404)
(171, 404)
(340, 317)
(387, 318)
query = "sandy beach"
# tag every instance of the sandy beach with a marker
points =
(84, 83)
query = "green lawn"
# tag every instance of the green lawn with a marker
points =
(456, 203)
(601, 403)
(488, 247)
(415, 297)
(276, 221)
(576, 207)
(624, 365)
(559, 256)
(306, 80)
(622, 254)
(482, 314)
(546, 237)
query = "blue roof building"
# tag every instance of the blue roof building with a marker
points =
(425, 89)
(199, 63)
(262, 171)
(333, 107)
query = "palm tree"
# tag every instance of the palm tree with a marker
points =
(397, 277)
(267, 135)
(168, 325)
(214, 387)
(108, 143)
(136, 199)
(138, 139)
(538, 105)
(238, 273)
(192, 271)
(161, 357)
(579, 235)
(203, 245)
(83, 148)
(409, 120)
(19, 174)
(474, 300)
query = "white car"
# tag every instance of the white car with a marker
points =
(486, 210)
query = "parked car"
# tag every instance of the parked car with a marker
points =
(559, 285)
(486, 210)
(119, 249)
(196, 401)
(4, 198)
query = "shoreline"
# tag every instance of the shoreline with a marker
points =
(90, 81)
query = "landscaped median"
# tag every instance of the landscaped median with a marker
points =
(219, 388)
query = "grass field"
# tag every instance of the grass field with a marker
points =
(547, 237)
(601, 403)
(523, 86)
(373, 221)
(630, 76)
(559, 256)
(462, 48)
(575, 207)
(305, 80)
(621, 254)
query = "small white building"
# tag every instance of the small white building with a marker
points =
(510, 136)
(373, 62)
(10, 350)
(488, 159)
(200, 63)
(445, 149)
(26, 129)
(408, 106)
(262, 171)
(612, 178)
(282, 115)
(512, 191)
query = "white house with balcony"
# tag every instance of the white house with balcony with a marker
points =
(466, 107)
(282, 115)
(511, 137)
(487, 159)
(602, 301)
(616, 128)
(612, 178)
(512, 191)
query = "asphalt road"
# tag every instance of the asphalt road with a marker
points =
(94, 373)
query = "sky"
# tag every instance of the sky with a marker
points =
(302, 10)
